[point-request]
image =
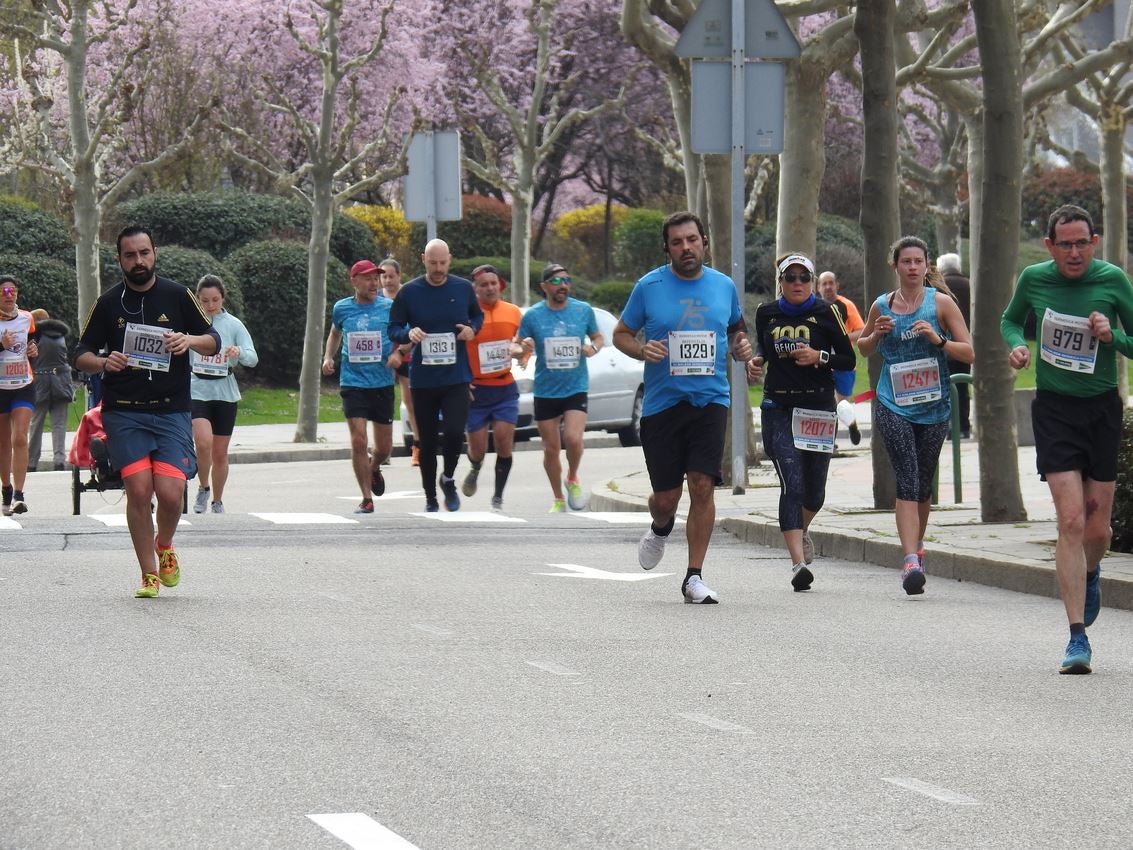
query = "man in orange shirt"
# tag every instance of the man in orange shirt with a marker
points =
(495, 397)
(844, 381)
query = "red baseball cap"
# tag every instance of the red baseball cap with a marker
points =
(363, 267)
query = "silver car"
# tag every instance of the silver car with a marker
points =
(616, 390)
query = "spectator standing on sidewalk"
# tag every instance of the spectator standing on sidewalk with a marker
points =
(916, 328)
(949, 266)
(1077, 410)
(691, 318)
(54, 390)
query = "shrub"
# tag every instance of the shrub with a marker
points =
(188, 265)
(273, 275)
(840, 247)
(25, 229)
(47, 283)
(1122, 521)
(1048, 188)
(388, 225)
(485, 229)
(611, 295)
(220, 222)
(584, 232)
(637, 242)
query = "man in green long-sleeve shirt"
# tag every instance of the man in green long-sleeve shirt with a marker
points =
(1077, 410)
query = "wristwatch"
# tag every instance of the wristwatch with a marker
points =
(824, 357)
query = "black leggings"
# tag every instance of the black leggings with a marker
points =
(428, 403)
(802, 474)
(913, 449)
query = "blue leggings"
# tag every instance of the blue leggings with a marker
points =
(913, 449)
(802, 474)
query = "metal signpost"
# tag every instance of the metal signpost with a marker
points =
(750, 119)
(432, 186)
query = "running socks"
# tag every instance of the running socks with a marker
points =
(1077, 629)
(503, 469)
(692, 571)
(666, 531)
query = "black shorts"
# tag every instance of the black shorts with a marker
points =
(20, 397)
(681, 439)
(552, 408)
(220, 414)
(374, 404)
(1077, 434)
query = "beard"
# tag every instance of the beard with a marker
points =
(138, 275)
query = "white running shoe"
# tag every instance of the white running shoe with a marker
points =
(808, 548)
(650, 549)
(576, 499)
(218, 507)
(698, 593)
(202, 503)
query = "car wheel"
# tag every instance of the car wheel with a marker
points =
(631, 434)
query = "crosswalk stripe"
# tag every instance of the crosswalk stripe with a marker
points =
(361, 832)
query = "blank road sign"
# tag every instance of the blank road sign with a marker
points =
(708, 34)
(432, 186)
(764, 98)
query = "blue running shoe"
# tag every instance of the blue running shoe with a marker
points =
(452, 500)
(1078, 655)
(1093, 595)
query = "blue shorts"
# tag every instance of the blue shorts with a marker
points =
(20, 397)
(500, 403)
(844, 382)
(161, 442)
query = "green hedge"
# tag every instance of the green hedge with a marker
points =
(611, 295)
(273, 276)
(221, 222)
(637, 243)
(1122, 521)
(25, 229)
(484, 230)
(47, 283)
(840, 247)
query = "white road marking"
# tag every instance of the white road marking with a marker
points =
(119, 520)
(716, 723)
(8, 522)
(552, 667)
(934, 791)
(306, 519)
(618, 517)
(334, 596)
(433, 630)
(361, 832)
(468, 516)
(579, 571)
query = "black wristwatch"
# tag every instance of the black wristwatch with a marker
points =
(943, 341)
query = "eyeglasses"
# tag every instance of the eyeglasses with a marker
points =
(803, 277)
(560, 281)
(1081, 245)
(8, 290)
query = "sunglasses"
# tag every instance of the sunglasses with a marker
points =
(560, 281)
(803, 277)
(8, 290)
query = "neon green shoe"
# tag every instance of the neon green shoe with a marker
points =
(149, 588)
(168, 567)
(575, 497)
(557, 507)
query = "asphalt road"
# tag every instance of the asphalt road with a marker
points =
(397, 680)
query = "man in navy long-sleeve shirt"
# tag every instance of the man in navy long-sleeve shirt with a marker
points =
(438, 312)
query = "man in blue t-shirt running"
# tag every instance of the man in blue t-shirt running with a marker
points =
(691, 319)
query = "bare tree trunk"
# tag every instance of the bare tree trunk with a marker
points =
(521, 239)
(84, 183)
(1115, 248)
(880, 212)
(803, 161)
(310, 375)
(999, 208)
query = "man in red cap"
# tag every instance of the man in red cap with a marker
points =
(359, 329)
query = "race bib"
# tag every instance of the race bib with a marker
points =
(916, 381)
(813, 430)
(213, 365)
(438, 349)
(14, 373)
(562, 352)
(692, 353)
(364, 346)
(144, 347)
(495, 356)
(1067, 342)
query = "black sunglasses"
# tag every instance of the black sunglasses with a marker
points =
(803, 277)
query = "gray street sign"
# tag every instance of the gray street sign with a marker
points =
(708, 34)
(764, 95)
(432, 186)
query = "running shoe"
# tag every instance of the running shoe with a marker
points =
(855, 433)
(7, 494)
(377, 482)
(452, 500)
(913, 580)
(575, 497)
(149, 587)
(650, 549)
(202, 501)
(1078, 655)
(801, 578)
(468, 488)
(19, 506)
(1093, 595)
(218, 507)
(366, 506)
(431, 506)
(808, 548)
(168, 567)
(698, 593)
(497, 503)
(557, 507)
(415, 457)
